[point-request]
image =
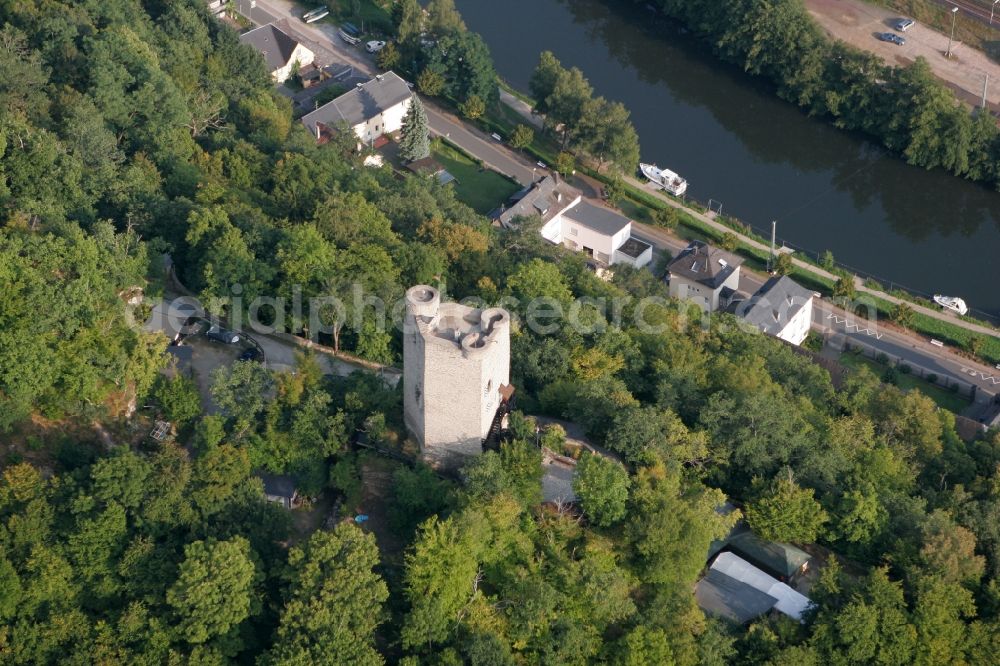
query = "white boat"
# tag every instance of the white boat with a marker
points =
(316, 14)
(953, 303)
(665, 178)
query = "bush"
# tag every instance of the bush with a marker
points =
(905, 369)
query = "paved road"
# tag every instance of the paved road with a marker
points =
(830, 319)
(471, 140)
(913, 349)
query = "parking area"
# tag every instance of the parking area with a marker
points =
(858, 24)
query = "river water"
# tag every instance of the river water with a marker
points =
(762, 158)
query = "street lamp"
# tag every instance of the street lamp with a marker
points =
(954, 15)
(993, 9)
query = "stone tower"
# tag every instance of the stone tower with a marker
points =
(456, 369)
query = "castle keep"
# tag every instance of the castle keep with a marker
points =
(456, 369)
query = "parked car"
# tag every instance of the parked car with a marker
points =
(252, 354)
(905, 24)
(891, 37)
(374, 46)
(223, 335)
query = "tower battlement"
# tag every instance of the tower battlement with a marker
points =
(455, 359)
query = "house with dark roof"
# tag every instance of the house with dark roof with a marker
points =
(721, 595)
(704, 274)
(282, 53)
(547, 199)
(781, 307)
(567, 219)
(371, 109)
(280, 489)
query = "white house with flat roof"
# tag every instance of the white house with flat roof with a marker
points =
(281, 52)
(600, 233)
(372, 109)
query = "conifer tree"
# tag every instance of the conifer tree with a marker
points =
(414, 139)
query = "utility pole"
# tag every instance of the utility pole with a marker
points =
(954, 15)
(986, 83)
(770, 259)
(993, 9)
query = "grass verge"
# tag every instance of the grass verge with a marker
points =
(944, 398)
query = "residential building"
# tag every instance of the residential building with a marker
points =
(600, 233)
(547, 199)
(456, 374)
(282, 53)
(567, 219)
(280, 489)
(371, 110)
(734, 597)
(781, 560)
(781, 307)
(705, 275)
(723, 596)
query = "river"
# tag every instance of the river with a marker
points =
(762, 158)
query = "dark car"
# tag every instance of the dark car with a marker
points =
(223, 335)
(252, 354)
(891, 37)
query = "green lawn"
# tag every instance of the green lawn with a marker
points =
(944, 398)
(482, 189)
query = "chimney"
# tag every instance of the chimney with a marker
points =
(558, 196)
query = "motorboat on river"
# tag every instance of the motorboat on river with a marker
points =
(953, 303)
(665, 178)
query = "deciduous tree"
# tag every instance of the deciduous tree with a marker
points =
(602, 486)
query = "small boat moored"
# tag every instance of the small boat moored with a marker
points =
(315, 14)
(664, 178)
(953, 303)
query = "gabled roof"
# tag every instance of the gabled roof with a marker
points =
(597, 218)
(546, 198)
(789, 602)
(273, 43)
(723, 596)
(781, 559)
(361, 104)
(774, 304)
(703, 263)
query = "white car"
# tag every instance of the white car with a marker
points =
(374, 46)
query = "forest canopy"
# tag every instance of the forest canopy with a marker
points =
(132, 129)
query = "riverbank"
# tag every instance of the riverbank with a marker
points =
(935, 324)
